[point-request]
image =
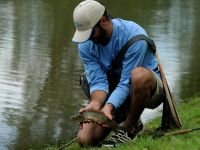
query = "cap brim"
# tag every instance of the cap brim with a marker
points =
(81, 36)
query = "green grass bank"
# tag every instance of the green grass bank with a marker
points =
(190, 118)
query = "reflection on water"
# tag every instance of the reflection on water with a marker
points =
(37, 74)
(40, 67)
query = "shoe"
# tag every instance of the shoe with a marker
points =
(122, 136)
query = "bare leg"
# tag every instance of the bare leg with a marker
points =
(91, 134)
(143, 83)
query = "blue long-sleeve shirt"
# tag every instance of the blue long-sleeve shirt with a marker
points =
(97, 59)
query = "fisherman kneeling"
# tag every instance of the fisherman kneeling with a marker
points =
(120, 85)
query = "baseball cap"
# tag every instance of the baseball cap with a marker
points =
(86, 15)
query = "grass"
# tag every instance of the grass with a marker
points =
(190, 117)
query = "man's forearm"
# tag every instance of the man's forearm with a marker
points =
(98, 98)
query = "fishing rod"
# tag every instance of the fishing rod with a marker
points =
(184, 131)
(181, 131)
(69, 143)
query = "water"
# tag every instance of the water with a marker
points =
(40, 67)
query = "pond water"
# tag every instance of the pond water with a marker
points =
(40, 66)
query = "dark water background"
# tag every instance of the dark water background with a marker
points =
(40, 67)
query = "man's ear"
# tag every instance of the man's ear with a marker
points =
(103, 21)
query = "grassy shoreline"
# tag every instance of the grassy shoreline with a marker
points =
(190, 117)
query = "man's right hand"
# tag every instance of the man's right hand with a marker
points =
(97, 100)
(93, 105)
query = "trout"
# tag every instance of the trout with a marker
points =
(97, 117)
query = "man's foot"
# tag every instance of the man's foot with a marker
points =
(122, 136)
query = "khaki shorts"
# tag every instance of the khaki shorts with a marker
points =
(158, 95)
(157, 98)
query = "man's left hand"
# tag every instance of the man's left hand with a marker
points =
(108, 109)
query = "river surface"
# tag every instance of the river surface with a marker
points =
(40, 66)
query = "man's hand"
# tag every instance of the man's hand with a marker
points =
(97, 100)
(91, 106)
(108, 109)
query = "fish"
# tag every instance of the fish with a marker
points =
(97, 117)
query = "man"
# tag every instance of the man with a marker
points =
(138, 86)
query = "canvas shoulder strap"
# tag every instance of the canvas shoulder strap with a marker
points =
(134, 39)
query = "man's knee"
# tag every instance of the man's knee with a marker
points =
(86, 140)
(91, 135)
(86, 136)
(141, 78)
